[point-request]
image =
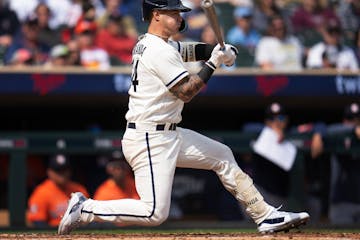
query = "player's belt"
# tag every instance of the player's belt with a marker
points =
(157, 127)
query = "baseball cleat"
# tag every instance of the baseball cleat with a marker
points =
(72, 216)
(282, 221)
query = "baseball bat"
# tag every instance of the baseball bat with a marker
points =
(209, 9)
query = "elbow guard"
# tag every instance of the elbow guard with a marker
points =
(193, 51)
(203, 51)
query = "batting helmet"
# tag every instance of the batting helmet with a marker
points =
(149, 5)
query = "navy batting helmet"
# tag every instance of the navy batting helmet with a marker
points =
(149, 5)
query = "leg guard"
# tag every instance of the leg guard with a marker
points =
(251, 198)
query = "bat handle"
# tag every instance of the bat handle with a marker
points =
(222, 46)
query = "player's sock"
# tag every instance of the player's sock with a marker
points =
(86, 213)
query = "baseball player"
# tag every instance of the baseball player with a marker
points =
(154, 145)
(48, 202)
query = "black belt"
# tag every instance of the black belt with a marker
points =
(159, 127)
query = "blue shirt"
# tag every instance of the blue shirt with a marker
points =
(236, 36)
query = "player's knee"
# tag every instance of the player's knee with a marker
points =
(159, 216)
(227, 152)
(225, 157)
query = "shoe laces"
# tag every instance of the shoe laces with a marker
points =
(276, 212)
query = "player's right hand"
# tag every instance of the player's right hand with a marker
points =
(217, 56)
(230, 53)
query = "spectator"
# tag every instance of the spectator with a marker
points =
(274, 156)
(74, 53)
(120, 184)
(349, 13)
(88, 12)
(279, 50)
(248, 3)
(83, 11)
(74, 13)
(28, 39)
(23, 9)
(131, 8)
(58, 56)
(196, 21)
(91, 56)
(331, 52)
(113, 7)
(264, 10)
(22, 57)
(116, 42)
(345, 202)
(356, 47)
(208, 36)
(243, 34)
(48, 201)
(9, 22)
(60, 11)
(310, 15)
(9, 25)
(47, 35)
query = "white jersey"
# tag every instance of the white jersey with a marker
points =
(344, 59)
(157, 67)
(282, 54)
(155, 152)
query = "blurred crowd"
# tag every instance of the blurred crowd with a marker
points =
(94, 34)
(271, 34)
(294, 35)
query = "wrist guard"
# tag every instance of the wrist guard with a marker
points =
(206, 71)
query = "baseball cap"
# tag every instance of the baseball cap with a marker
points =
(59, 50)
(115, 159)
(22, 55)
(243, 12)
(59, 162)
(85, 26)
(275, 109)
(352, 111)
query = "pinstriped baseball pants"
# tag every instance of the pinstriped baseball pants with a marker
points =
(153, 156)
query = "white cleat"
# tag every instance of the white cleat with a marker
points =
(282, 221)
(72, 216)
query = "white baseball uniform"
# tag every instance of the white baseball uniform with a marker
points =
(154, 146)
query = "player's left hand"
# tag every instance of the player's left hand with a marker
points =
(230, 54)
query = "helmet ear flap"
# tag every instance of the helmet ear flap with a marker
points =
(183, 26)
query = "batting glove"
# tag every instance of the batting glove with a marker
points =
(230, 54)
(217, 56)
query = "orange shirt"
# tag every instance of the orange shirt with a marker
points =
(48, 202)
(108, 190)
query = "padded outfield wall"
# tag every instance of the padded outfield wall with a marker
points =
(77, 98)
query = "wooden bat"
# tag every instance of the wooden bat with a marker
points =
(209, 9)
